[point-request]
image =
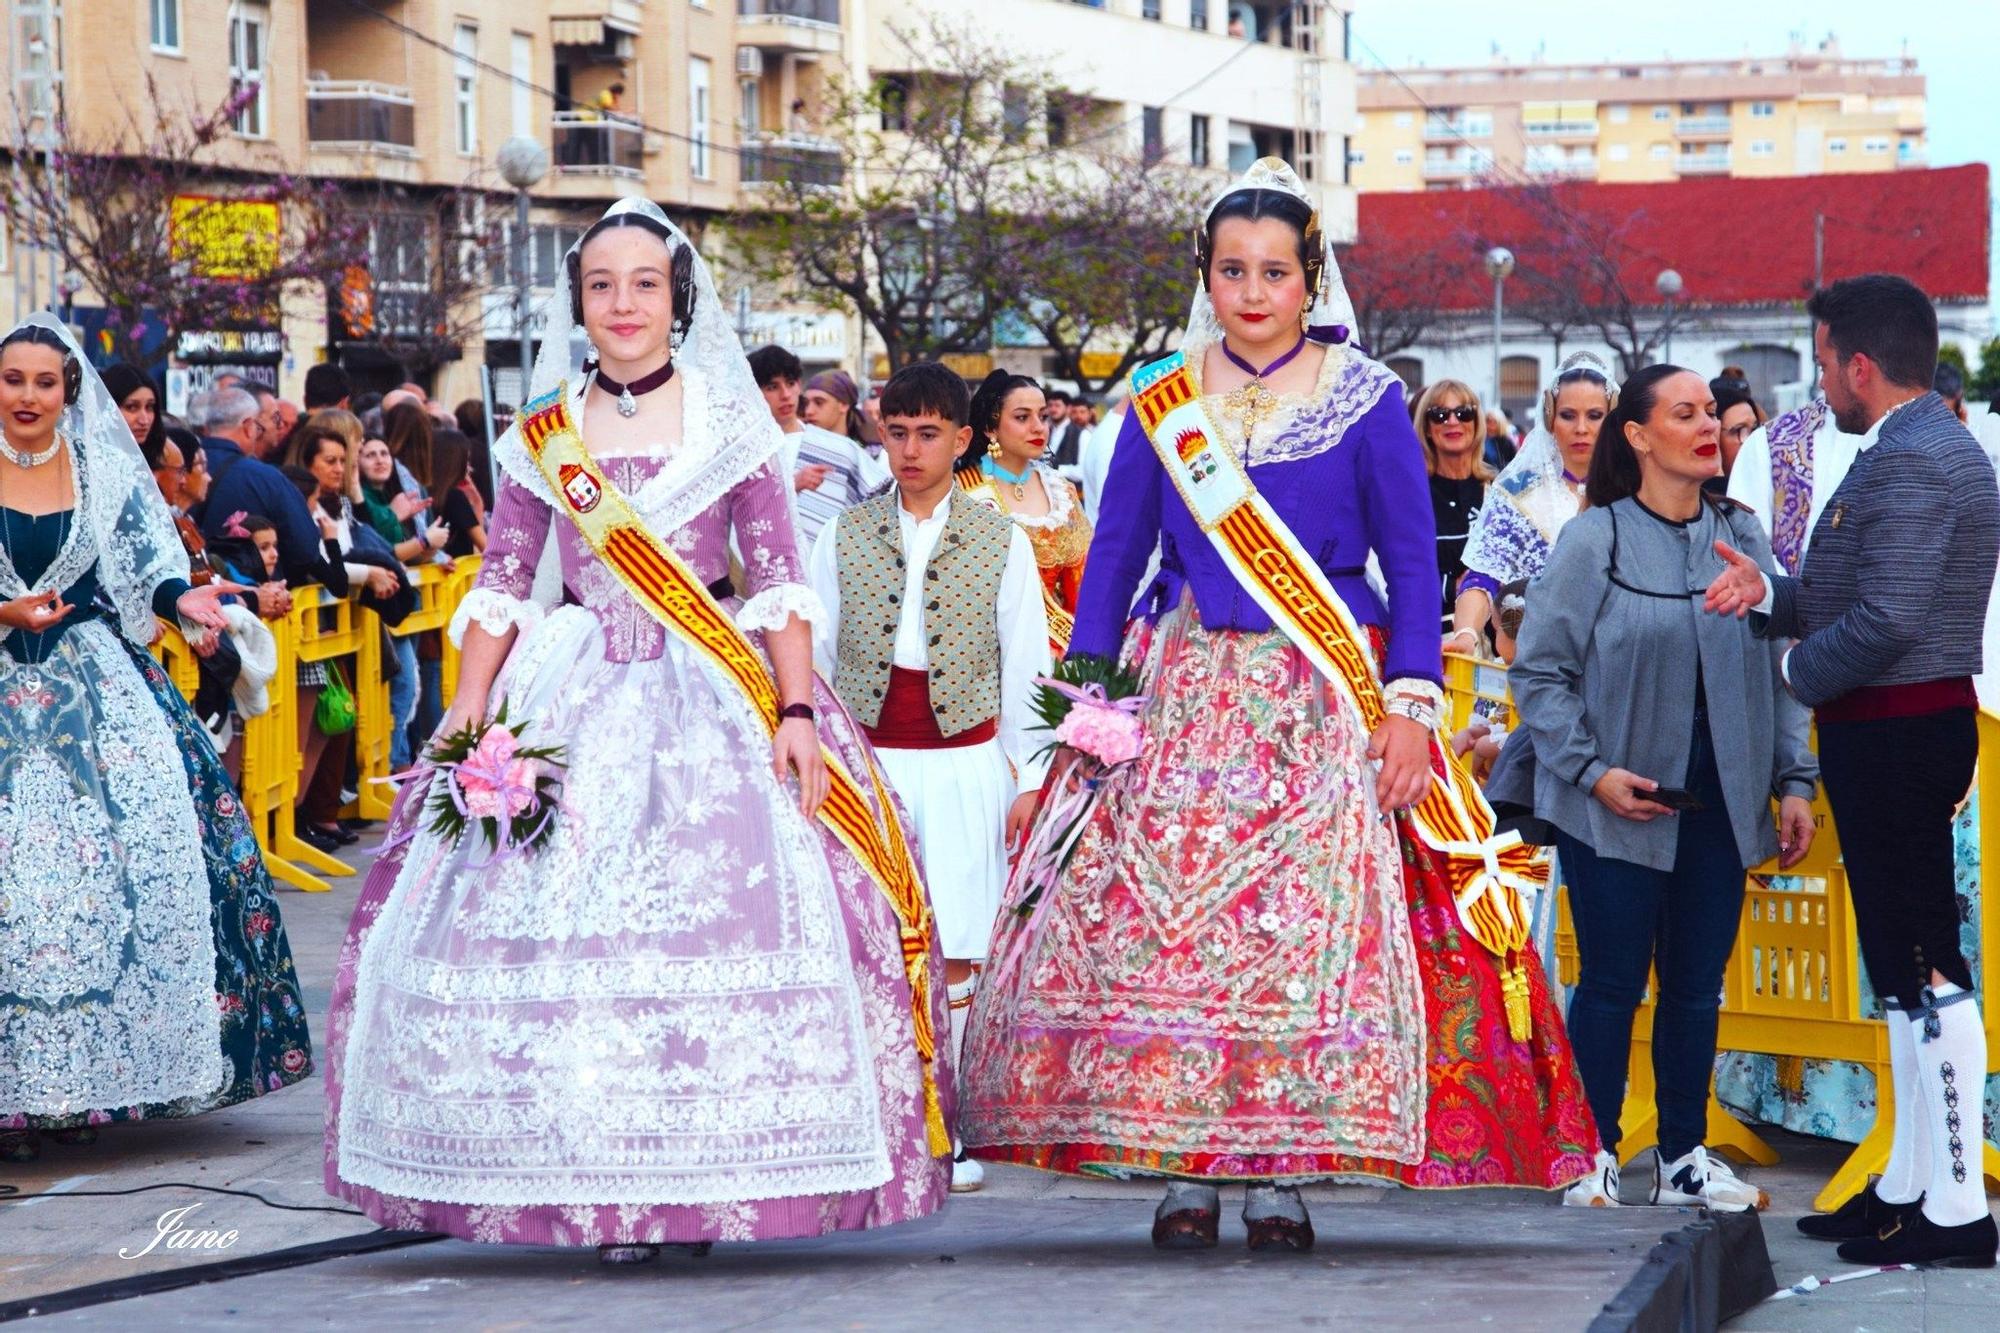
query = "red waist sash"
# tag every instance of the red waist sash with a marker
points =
(907, 722)
(1877, 703)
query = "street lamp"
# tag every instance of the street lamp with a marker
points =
(1668, 285)
(1499, 266)
(523, 162)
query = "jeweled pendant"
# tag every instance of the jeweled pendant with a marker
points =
(628, 406)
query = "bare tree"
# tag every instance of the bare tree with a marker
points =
(908, 213)
(1108, 264)
(1403, 290)
(1587, 269)
(161, 229)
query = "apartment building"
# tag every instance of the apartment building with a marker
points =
(1806, 112)
(700, 105)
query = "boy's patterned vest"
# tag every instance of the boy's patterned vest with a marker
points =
(961, 589)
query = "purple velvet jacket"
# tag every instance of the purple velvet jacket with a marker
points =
(1366, 492)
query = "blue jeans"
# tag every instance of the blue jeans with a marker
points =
(1683, 923)
(402, 700)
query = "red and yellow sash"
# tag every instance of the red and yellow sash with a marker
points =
(1493, 878)
(667, 588)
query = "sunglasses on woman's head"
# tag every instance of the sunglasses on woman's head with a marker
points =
(1440, 415)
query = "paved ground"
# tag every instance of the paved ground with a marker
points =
(1065, 1254)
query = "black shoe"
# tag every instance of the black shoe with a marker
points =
(1918, 1240)
(1860, 1218)
(357, 825)
(341, 837)
(319, 838)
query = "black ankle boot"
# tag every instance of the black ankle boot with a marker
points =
(1918, 1240)
(1860, 1218)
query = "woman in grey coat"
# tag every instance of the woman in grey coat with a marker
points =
(1660, 736)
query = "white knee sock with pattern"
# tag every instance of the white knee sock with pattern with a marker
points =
(1951, 1066)
(1909, 1168)
(958, 996)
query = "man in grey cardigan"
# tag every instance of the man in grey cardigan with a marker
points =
(1888, 611)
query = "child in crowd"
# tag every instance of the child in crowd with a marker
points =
(934, 636)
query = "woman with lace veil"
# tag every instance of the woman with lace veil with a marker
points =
(144, 972)
(1533, 497)
(1004, 469)
(705, 1007)
(1250, 968)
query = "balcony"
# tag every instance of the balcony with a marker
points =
(1561, 129)
(807, 27)
(353, 116)
(1704, 164)
(590, 144)
(1449, 131)
(1437, 167)
(791, 159)
(1703, 127)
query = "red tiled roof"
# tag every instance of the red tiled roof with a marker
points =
(1734, 241)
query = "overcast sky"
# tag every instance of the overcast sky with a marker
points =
(1956, 44)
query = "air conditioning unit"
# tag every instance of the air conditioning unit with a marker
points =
(749, 62)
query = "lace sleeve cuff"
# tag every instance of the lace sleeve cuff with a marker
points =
(495, 612)
(771, 608)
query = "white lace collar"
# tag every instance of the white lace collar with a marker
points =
(1062, 502)
(1305, 424)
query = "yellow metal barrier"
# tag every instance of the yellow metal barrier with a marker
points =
(1793, 985)
(438, 595)
(320, 628)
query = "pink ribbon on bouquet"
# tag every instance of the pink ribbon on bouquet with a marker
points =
(1093, 693)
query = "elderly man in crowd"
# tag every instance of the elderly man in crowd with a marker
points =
(235, 442)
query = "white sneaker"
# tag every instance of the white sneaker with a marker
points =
(1706, 1181)
(966, 1175)
(1599, 1189)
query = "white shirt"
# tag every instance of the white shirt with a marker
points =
(1023, 625)
(1095, 461)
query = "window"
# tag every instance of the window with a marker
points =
(521, 64)
(1055, 120)
(1153, 133)
(465, 87)
(166, 25)
(249, 31)
(1357, 157)
(1014, 117)
(1663, 113)
(698, 112)
(1763, 110)
(750, 114)
(895, 99)
(1618, 113)
(1762, 148)
(1660, 152)
(1198, 141)
(1198, 15)
(1406, 157)
(1874, 145)
(1150, 9)
(1618, 152)
(1836, 145)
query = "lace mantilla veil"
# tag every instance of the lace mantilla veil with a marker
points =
(1531, 486)
(1331, 319)
(126, 528)
(727, 430)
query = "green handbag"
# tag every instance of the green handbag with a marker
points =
(334, 714)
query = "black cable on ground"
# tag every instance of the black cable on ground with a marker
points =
(12, 1194)
(249, 1265)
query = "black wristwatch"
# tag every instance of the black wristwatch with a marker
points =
(804, 712)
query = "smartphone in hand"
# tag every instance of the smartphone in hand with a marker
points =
(1675, 798)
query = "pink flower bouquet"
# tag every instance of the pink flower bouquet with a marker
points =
(489, 783)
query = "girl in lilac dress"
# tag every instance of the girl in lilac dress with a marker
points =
(683, 1018)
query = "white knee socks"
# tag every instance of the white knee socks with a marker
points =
(1909, 1169)
(958, 996)
(1951, 1069)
